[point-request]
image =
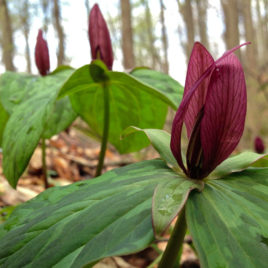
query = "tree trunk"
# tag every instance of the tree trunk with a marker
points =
(231, 35)
(45, 4)
(26, 28)
(127, 35)
(164, 38)
(87, 9)
(202, 6)
(7, 37)
(60, 33)
(150, 32)
(251, 51)
(185, 9)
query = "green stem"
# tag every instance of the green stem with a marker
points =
(175, 242)
(44, 164)
(105, 133)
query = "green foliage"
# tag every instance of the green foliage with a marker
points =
(34, 112)
(237, 163)
(79, 224)
(163, 82)
(169, 198)
(3, 120)
(160, 140)
(228, 220)
(131, 103)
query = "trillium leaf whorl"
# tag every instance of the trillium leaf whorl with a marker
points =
(213, 109)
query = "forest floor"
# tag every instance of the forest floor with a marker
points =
(71, 157)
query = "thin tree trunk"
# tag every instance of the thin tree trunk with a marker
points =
(7, 37)
(260, 32)
(26, 28)
(60, 33)
(202, 6)
(164, 37)
(87, 9)
(187, 13)
(150, 32)
(265, 22)
(231, 35)
(251, 51)
(45, 4)
(127, 35)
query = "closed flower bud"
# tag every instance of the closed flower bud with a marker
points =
(41, 54)
(99, 38)
(213, 109)
(259, 145)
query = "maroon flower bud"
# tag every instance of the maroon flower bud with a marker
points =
(99, 37)
(259, 145)
(213, 109)
(41, 54)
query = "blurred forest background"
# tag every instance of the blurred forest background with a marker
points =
(158, 34)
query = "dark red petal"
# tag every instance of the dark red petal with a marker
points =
(99, 37)
(199, 61)
(175, 143)
(42, 54)
(224, 112)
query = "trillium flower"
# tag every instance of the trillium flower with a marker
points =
(41, 54)
(99, 37)
(213, 109)
(259, 145)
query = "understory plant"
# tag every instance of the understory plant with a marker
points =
(34, 108)
(221, 201)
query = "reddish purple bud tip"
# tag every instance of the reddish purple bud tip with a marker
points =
(259, 145)
(41, 54)
(99, 38)
(213, 109)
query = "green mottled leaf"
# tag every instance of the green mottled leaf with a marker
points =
(169, 198)
(131, 103)
(59, 118)
(229, 220)
(3, 120)
(82, 223)
(262, 162)
(237, 163)
(14, 88)
(28, 121)
(160, 140)
(163, 82)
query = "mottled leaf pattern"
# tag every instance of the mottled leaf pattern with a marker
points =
(228, 220)
(169, 198)
(82, 223)
(29, 120)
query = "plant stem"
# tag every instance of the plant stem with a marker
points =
(175, 242)
(44, 164)
(105, 134)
